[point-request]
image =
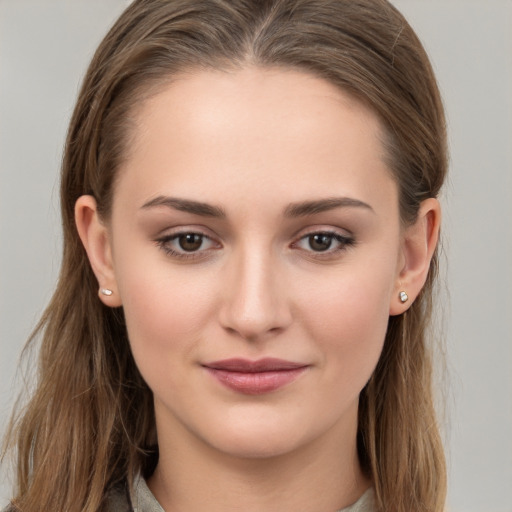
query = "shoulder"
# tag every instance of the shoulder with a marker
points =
(140, 499)
(366, 503)
(118, 500)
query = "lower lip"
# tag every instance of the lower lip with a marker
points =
(256, 383)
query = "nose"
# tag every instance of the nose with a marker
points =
(255, 303)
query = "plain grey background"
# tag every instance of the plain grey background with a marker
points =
(45, 46)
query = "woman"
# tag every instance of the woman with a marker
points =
(250, 228)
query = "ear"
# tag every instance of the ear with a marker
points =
(95, 238)
(419, 241)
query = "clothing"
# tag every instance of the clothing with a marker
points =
(143, 500)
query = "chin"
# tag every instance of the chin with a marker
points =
(260, 438)
(259, 446)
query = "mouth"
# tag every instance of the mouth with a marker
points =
(255, 377)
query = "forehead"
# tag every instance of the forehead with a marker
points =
(269, 132)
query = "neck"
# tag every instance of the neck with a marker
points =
(193, 476)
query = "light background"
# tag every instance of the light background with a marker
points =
(44, 49)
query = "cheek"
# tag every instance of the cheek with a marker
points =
(348, 318)
(165, 312)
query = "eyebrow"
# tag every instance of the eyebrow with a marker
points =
(187, 205)
(300, 209)
(322, 205)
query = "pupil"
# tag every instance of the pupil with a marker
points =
(190, 242)
(320, 242)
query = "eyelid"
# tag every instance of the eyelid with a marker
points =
(323, 228)
(180, 229)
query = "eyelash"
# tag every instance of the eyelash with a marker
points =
(163, 243)
(343, 242)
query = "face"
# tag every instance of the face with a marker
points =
(256, 246)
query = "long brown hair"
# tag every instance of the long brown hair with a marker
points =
(90, 421)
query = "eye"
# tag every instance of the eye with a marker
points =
(324, 242)
(190, 242)
(320, 242)
(187, 244)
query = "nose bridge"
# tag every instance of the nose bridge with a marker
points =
(255, 300)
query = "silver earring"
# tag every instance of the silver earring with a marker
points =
(106, 291)
(403, 297)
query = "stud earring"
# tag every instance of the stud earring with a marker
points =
(106, 291)
(403, 297)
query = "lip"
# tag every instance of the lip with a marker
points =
(255, 377)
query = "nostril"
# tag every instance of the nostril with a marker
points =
(253, 335)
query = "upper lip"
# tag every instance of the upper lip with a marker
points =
(241, 365)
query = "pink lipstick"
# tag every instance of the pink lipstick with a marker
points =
(255, 377)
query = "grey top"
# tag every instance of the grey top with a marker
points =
(144, 501)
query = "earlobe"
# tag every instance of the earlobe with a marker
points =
(419, 242)
(95, 239)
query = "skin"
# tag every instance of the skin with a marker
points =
(253, 144)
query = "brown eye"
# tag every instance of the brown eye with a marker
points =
(190, 242)
(188, 245)
(324, 244)
(320, 242)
